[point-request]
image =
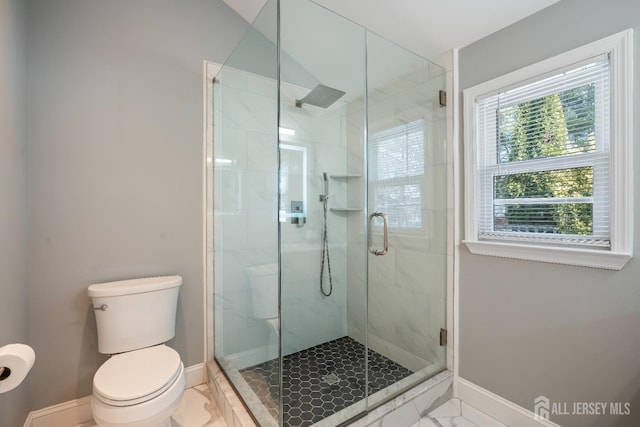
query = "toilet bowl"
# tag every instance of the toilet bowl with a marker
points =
(143, 381)
(140, 388)
(263, 282)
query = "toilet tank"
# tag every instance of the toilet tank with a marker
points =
(263, 282)
(136, 313)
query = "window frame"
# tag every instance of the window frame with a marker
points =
(620, 50)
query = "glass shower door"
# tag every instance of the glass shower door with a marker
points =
(322, 84)
(406, 218)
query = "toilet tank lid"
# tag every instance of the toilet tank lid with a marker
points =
(134, 286)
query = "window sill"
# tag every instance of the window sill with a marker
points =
(555, 255)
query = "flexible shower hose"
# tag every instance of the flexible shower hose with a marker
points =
(325, 250)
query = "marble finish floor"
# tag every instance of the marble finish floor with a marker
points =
(455, 413)
(197, 409)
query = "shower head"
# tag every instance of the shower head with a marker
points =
(321, 96)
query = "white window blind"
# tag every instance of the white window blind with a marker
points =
(396, 157)
(543, 171)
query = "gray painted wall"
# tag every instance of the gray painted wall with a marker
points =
(13, 198)
(529, 329)
(115, 176)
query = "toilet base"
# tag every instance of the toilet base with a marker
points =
(165, 423)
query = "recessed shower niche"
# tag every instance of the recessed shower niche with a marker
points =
(328, 199)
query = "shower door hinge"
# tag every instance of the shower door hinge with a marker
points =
(443, 98)
(443, 337)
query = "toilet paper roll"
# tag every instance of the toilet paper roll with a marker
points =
(16, 361)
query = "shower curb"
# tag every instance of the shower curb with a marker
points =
(414, 403)
(232, 408)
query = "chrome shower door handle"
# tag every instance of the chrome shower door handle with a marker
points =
(386, 237)
(385, 234)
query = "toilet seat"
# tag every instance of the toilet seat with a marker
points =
(137, 376)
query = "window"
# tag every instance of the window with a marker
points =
(397, 169)
(549, 159)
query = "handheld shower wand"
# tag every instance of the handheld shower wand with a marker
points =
(325, 241)
(325, 194)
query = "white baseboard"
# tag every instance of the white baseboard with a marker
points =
(65, 414)
(497, 407)
(195, 374)
(78, 411)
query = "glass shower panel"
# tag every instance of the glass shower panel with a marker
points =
(406, 170)
(329, 209)
(246, 216)
(322, 61)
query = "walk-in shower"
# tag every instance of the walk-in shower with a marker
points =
(312, 104)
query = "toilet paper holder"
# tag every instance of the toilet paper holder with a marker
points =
(16, 361)
(4, 373)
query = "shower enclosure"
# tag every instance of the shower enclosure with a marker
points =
(329, 209)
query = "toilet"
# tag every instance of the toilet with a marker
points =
(142, 382)
(263, 282)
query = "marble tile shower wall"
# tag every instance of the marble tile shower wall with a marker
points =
(407, 296)
(246, 217)
(308, 317)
